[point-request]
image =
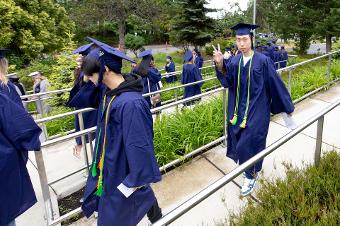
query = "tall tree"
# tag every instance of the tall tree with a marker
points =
(117, 11)
(302, 20)
(191, 25)
(30, 28)
(327, 19)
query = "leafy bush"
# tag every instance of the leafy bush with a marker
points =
(224, 43)
(134, 43)
(304, 197)
(62, 125)
(62, 76)
(33, 27)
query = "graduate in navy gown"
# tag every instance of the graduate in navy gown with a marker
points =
(270, 49)
(284, 55)
(124, 163)
(255, 91)
(18, 135)
(170, 68)
(277, 57)
(190, 73)
(89, 118)
(151, 77)
(198, 59)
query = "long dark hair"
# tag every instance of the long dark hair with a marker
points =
(142, 68)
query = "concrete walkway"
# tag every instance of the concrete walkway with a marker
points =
(190, 178)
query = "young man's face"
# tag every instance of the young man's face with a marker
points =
(243, 43)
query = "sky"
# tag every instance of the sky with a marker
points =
(224, 4)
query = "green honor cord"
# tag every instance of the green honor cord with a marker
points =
(233, 121)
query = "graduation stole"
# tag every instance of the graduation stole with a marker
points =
(233, 121)
(100, 187)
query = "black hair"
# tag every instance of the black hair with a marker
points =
(90, 66)
(142, 68)
(252, 40)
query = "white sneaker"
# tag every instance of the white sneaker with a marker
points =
(248, 186)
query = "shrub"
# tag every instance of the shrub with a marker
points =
(304, 197)
(224, 43)
(134, 43)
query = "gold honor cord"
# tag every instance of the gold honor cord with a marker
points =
(233, 121)
(100, 187)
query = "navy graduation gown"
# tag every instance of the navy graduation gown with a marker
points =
(199, 61)
(18, 135)
(268, 94)
(10, 91)
(154, 76)
(190, 74)
(277, 59)
(284, 56)
(129, 159)
(90, 118)
(169, 69)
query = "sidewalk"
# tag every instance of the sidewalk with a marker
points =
(188, 179)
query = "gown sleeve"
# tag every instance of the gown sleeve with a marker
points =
(138, 143)
(184, 72)
(225, 76)
(154, 75)
(18, 126)
(280, 98)
(172, 67)
(198, 76)
(86, 96)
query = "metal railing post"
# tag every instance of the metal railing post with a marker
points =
(89, 135)
(225, 117)
(176, 98)
(44, 185)
(40, 104)
(290, 75)
(318, 146)
(329, 67)
(83, 141)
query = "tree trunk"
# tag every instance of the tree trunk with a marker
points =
(328, 42)
(121, 31)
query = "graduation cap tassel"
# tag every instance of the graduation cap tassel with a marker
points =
(94, 165)
(243, 123)
(233, 121)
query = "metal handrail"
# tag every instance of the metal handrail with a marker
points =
(214, 187)
(179, 72)
(46, 93)
(69, 89)
(43, 120)
(292, 67)
(199, 96)
(205, 61)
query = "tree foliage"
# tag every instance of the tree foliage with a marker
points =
(30, 28)
(134, 42)
(302, 20)
(115, 12)
(191, 25)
